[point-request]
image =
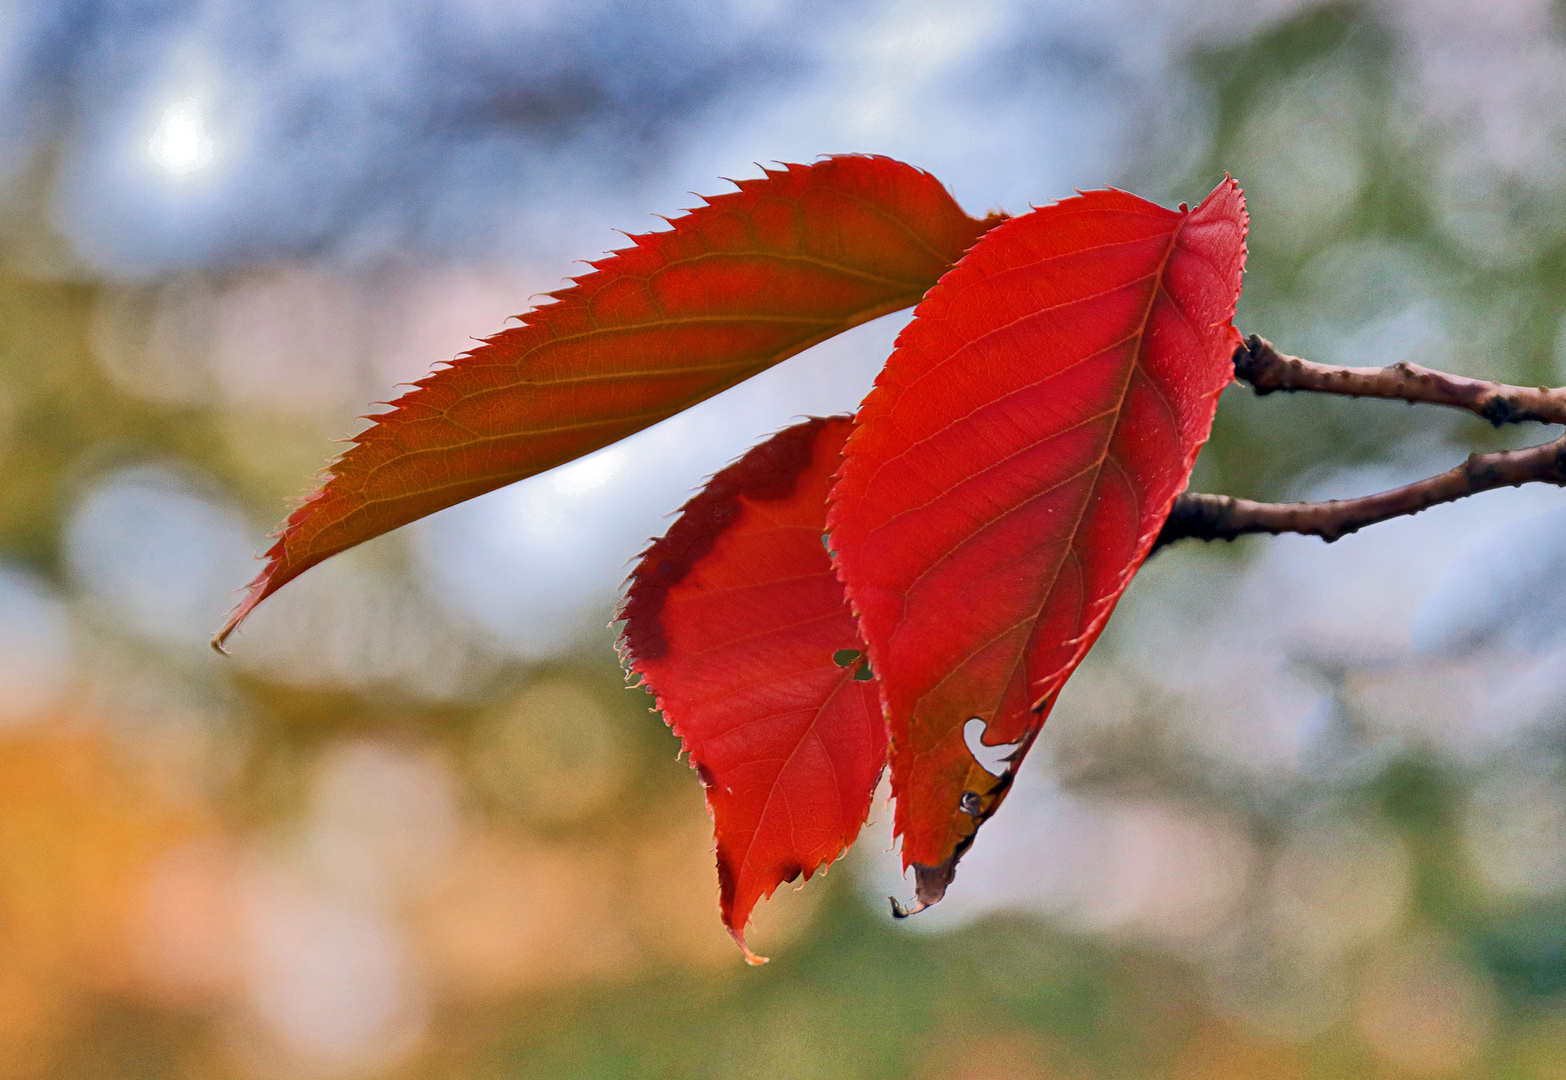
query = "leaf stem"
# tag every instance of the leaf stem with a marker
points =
(1221, 517)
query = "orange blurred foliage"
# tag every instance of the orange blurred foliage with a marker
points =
(77, 837)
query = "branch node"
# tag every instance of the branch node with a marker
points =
(1501, 410)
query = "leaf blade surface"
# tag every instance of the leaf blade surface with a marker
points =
(1011, 469)
(736, 285)
(738, 625)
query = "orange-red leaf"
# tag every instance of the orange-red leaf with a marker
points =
(736, 285)
(737, 623)
(1011, 469)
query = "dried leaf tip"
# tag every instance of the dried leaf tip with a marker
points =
(255, 592)
(750, 958)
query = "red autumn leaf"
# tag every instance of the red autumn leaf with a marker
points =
(737, 622)
(746, 280)
(1011, 469)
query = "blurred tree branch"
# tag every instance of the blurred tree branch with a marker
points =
(1221, 517)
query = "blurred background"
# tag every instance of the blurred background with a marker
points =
(1301, 815)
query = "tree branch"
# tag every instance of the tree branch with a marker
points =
(1258, 363)
(1219, 517)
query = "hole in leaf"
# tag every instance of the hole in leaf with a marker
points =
(844, 657)
(864, 674)
(992, 759)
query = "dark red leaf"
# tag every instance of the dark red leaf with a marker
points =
(736, 621)
(1011, 470)
(737, 285)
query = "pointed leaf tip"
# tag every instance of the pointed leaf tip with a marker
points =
(750, 958)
